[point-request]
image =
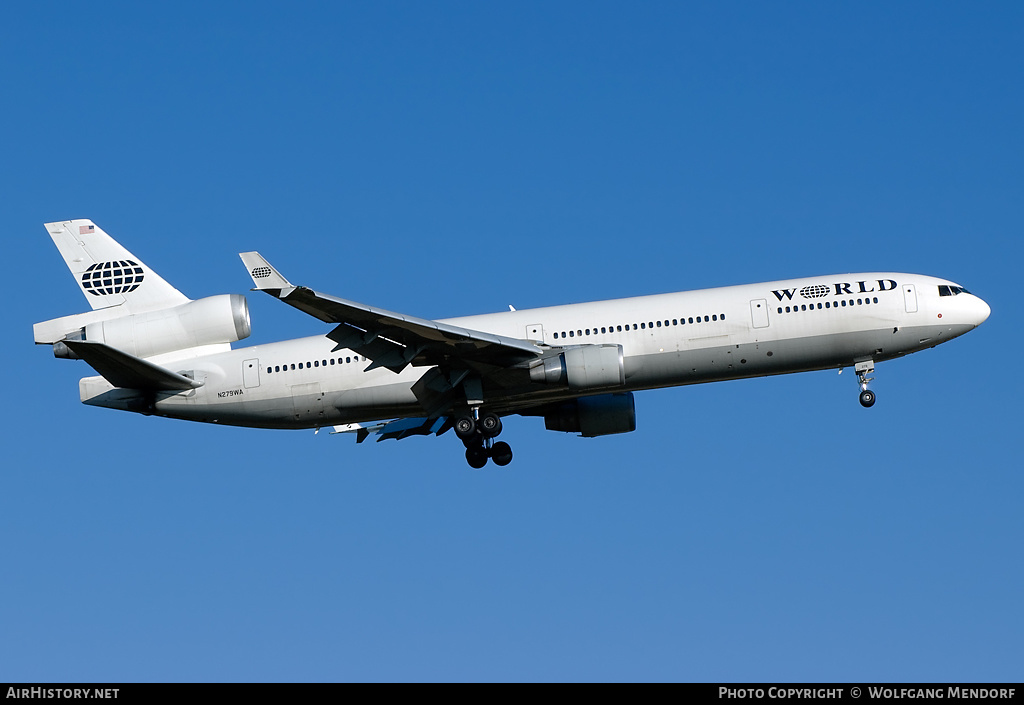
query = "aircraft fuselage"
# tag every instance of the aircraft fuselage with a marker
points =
(666, 340)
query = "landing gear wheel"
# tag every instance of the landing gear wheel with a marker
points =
(476, 456)
(501, 453)
(465, 427)
(867, 398)
(490, 425)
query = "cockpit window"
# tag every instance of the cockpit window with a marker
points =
(945, 290)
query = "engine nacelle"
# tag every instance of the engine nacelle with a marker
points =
(602, 415)
(585, 367)
(209, 321)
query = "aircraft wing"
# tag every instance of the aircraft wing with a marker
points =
(397, 429)
(388, 339)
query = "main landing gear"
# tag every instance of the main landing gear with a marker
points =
(867, 397)
(477, 434)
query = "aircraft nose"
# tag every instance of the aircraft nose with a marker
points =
(980, 311)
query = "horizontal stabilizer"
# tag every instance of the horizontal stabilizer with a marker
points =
(127, 371)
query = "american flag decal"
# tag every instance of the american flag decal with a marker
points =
(86, 229)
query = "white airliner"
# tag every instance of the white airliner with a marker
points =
(159, 353)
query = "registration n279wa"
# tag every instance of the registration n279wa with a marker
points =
(377, 372)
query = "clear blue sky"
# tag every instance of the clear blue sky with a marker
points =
(453, 158)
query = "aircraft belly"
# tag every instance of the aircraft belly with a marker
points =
(762, 358)
(375, 402)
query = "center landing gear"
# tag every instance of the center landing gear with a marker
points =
(867, 397)
(478, 434)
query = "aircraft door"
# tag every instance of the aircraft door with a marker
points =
(910, 297)
(535, 332)
(251, 373)
(759, 313)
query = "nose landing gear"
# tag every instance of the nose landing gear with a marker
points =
(867, 397)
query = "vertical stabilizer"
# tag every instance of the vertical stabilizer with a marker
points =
(107, 273)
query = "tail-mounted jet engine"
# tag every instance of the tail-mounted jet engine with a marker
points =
(209, 321)
(585, 367)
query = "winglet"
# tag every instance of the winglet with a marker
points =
(263, 274)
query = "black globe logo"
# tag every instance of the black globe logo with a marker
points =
(816, 291)
(105, 278)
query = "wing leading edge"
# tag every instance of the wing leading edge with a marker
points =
(388, 339)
